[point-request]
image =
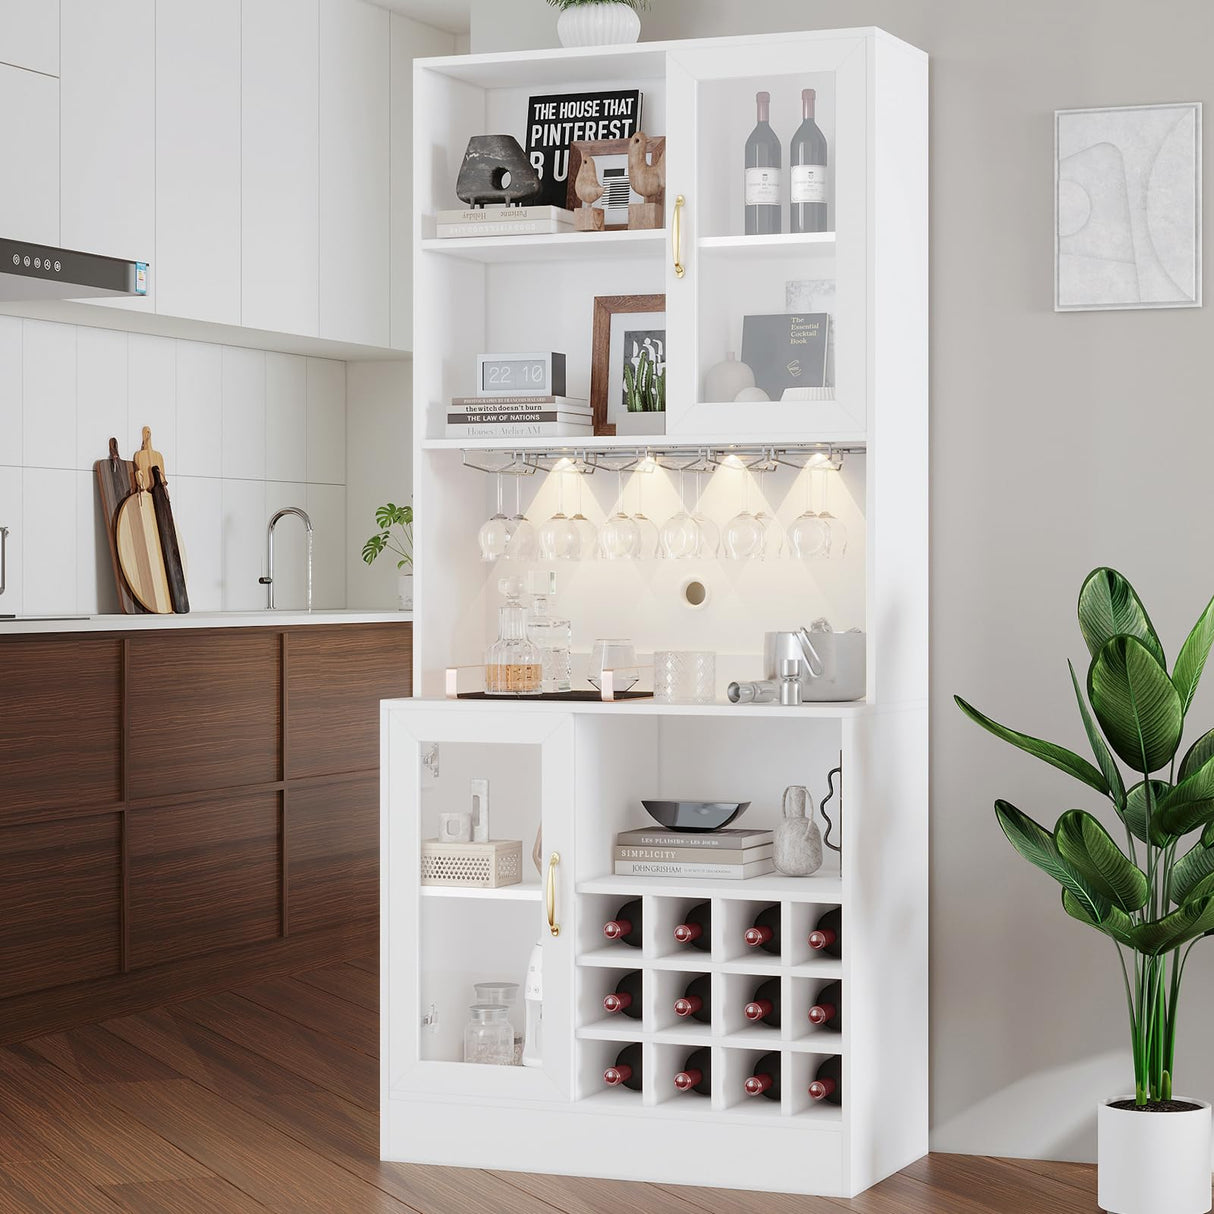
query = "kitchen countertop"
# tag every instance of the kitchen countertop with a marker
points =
(197, 619)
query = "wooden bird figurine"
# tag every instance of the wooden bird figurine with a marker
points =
(588, 218)
(647, 179)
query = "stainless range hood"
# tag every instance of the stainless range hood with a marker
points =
(36, 271)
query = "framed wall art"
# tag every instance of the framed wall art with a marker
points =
(628, 330)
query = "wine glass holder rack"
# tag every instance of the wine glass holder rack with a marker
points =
(587, 459)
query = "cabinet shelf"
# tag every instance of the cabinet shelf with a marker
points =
(781, 245)
(560, 246)
(802, 712)
(526, 891)
(827, 888)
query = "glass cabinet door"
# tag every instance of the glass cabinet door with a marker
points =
(461, 933)
(794, 303)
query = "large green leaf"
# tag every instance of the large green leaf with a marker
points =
(1189, 804)
(1108, 607)
(1190, 870)
(1196, 755)
(1038, 847)
(1115, 923)
(1135, 703)
(1057, 756)
(1136, 815)
(1191, 659)
(1108, 765)
(1087, 846)
(1163, 935)
(1202, 890)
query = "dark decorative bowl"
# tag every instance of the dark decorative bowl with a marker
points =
(694, 815)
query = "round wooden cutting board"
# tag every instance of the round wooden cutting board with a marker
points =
(140, 553)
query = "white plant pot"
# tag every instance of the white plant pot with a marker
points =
(1154, 1163)
(640, 423)
(598, 25)
(404, 591)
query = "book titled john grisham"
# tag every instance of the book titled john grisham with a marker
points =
(556, 123)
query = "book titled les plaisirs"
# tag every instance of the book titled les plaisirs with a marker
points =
(726, 839)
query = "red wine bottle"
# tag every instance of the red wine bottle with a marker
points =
(626, 997)
(764, 933)
(827, 934)
(827, 1011)
(764, 1007)
(764, 186)
(807, 161)
(827, 1084)
(766, 1078)
(696, 1075)
(696, 1000)
(627, 1069)
(626, 926)
(696, 928)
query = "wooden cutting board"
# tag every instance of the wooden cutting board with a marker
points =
(140, 553)
(116, 480)
(170, 545)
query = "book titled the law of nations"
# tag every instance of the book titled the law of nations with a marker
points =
(722, 872)
(730, 838)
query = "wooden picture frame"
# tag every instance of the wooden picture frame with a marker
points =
(599, 149)
(606, 307)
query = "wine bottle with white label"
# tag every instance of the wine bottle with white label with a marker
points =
(808, 157)
(764, 180)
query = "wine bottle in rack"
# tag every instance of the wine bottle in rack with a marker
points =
(764, 933)
(696, 928)
(827, 1010)
(764, 187)
(827, 1084)
(807, 161)
(626, 926)
(764, 1007)
(696, 1000)
(626, 997)
(696, 1075)
(766, 1078)
(827, 936)
(627, 1070)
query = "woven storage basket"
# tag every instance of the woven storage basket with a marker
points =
(488, 865)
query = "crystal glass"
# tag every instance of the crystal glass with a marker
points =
(620, 539)
(646, 527)
(559, 538)
(680, 535)
(489, 1035)
(710, 533)
(494, 536)
(616, 655)
(513, 665)
(684, 677)
(585, 527)
(745, 536)
(809, 535)
(522, 546)
(837, 545)
(553, 636)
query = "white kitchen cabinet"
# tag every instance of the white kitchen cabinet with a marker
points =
(197, 262)
(30, 151)
(108, 133)
(280, 169)
(355, 253)
(29, 35)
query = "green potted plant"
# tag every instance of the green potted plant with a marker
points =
(395, 534)
(1154, 898)
(598, 22)
(645, 396)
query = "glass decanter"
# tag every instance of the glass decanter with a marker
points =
(553, 636)
(512, 665)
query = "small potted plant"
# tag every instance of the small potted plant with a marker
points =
(645, 396)
(395, 535)
(598, 22)
(1154, 899)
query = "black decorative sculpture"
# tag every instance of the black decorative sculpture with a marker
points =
(496, 169)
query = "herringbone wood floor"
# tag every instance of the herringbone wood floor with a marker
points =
(265, 1099)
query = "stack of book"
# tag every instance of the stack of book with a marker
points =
(519, 417)
(503, 221)
(730, 854)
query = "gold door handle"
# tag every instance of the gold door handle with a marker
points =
(676, 236)
(553, 926)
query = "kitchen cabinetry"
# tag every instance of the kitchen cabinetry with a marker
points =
(108, 133)
(168, 826)
(30, 151)
(580, 770)
(29, 35)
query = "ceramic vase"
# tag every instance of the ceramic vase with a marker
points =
(1153, 1163)
(797, 845)
(404, 591)
(724, 381)
(598, 25)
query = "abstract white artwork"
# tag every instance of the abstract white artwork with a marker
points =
(1127, 207)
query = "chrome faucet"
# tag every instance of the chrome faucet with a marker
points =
(268, 580)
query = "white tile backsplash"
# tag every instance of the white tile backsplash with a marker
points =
(241, 431)
(48, 395)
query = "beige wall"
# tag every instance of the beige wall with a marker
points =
(1059, 442)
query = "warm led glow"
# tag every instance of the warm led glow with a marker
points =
(648, 464)
(732, 461)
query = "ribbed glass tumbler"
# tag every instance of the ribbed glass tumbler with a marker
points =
(684, 677)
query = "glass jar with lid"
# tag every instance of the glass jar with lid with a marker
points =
(513, 665)
(489, 1035)
(504, 994)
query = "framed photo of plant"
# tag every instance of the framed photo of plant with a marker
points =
(628, 371)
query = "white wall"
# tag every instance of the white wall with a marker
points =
(1059, 442)
(243, 432)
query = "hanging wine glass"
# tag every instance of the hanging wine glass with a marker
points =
(809, 535)
(494, 536)
(744, 534)
(680, 535)
(620, 539)
(586, 529)
(559, 538)
(710, 533)
(837, 543)
(646, 527)
(773, 535)
(522, 542)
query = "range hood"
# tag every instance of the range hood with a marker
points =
(38, 271)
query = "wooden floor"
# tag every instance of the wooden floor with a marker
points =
(265, 1099)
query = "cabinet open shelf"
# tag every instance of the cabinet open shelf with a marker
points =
(772, 888)
(525, 891)
(559, 246)
(779, 245)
